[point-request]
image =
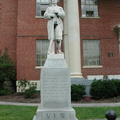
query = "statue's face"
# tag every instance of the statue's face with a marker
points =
(54, 1)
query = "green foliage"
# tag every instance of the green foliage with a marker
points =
(5, 91)
(7, 71)
(22, 85)
(27, 88)
(117, 84)
(105, 89)
(30, 93)
(77, 92)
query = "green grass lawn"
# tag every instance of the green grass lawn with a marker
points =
(9, 112)
(94, 112)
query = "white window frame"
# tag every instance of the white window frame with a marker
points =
(41, 6)
(91, 54)
(89, 9)
(41, 52)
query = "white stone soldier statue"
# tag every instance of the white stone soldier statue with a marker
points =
(54, 13)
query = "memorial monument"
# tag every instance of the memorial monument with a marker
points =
(55, 79)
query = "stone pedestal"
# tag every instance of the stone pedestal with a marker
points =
(55, 90)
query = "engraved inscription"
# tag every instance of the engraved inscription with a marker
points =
(55, 90)
(55, 116)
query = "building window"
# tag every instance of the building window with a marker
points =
(41, 51)
(89, 8)
(91, 52)
(41, 6)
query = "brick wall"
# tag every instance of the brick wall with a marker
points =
(103, 29)
(20, 30)
(8, 26)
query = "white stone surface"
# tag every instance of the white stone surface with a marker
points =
(113, 76)
(60, 114)
(72, 38)
(55, 56)
(55, 61)
(55, 90)
(97, 77)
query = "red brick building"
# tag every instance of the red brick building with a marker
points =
(23, 31)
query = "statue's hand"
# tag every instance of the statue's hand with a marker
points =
(57, 14)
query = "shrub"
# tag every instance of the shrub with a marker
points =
(96, 89)
(5, 91)
(22, 85)
(7, 71)
(104, 89)
(30, 92)
(26, 88)
(77, 92)
(117, 84)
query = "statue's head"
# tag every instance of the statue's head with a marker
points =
(55, 1)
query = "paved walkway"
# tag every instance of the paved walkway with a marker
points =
(73, 105)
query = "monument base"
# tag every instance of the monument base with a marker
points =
(55, 90)
(55, 114)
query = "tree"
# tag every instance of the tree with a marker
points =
(7, 70)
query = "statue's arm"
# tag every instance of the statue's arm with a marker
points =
(47, 14)
(61, 12)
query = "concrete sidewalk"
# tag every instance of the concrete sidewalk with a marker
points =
(73, 104)
(95, 104)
